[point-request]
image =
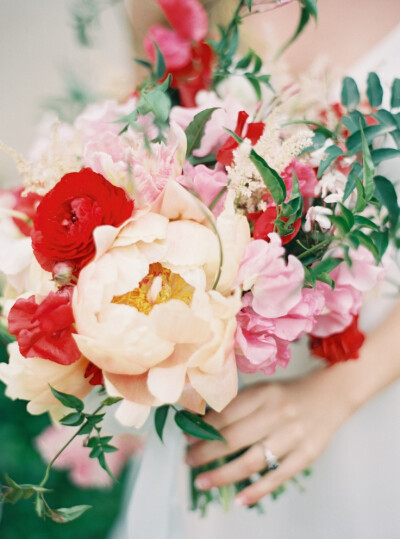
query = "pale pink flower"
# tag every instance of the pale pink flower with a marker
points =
(275, 283)
(363, 274)
(84, 471)
(207, 183)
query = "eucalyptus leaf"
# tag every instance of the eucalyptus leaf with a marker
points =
(374, 90)
(350, 95)
(195, 426)
(395, 98)
(387, 196)
(383, 154)
(347, 215)
(327, 265)
(367, 241)
(109, 401)
(354, 142)
(332, 153)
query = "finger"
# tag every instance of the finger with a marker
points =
(246, 402)
(239, 435)
(289, 467)
(280, 443)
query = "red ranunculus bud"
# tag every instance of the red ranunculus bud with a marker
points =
(45, 330)
(339, 346)
(68, 214)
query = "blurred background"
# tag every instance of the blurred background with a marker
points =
(44, 66)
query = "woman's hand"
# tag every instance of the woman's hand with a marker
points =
(295, 420)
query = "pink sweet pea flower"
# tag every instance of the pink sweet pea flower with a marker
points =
(276, 284)
(207, 183)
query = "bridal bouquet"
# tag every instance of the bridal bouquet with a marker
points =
(160, 245)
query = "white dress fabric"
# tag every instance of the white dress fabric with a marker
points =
(354, 489)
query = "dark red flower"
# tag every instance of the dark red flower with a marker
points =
(45, 330)
(27, 205)
(253, 133)
(339, 346)
(94, 374)
(264, 224)
(68, 214)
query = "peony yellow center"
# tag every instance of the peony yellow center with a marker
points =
(159, 285)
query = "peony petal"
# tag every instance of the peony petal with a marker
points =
(217, 389)
(176, 321)
(167, 380)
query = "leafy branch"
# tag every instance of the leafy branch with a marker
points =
(89, 425)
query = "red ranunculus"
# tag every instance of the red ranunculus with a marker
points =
(45, 330)
(68, 214)
(339, 346)
(264, 224)
(253, 133)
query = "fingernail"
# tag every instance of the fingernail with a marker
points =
(202, 483)
(241, 500)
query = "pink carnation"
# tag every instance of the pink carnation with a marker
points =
(343, 303)
(306, 176)
(84, 471)
(263, 343)
(207, 183)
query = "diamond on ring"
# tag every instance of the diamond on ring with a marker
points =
(270, 459)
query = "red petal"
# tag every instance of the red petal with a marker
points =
(187, 17)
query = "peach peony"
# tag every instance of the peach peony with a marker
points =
(146, 310)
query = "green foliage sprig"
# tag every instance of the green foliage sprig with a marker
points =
(90, 426)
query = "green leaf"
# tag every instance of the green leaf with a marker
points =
(387, 196)
(327, 265)
(354, 142)
(195, 130)
(381, 240)
(325, 278)
(96, 452)
(364, 222)
(318, 142)
(332, 153)
(109, 448)
(70, 401)
(249, 4)
(319, 128)
(160, 418)
(368, 168)
(312, 7)
(271, 178)
(395, 99)
(109, 401)
(143, 63)
(347, 215)
(257, 64)
(72, 420)
(253, 80)
(40, 507)
(195, 426)
(350, 95)
(353, 120)
(374, 90)
(351, 180)
(68, 514)
(383, 154)
(155, 101)
(244, 62)
(340, 223)
(160, 62)
(303, 21)
(367, 241)
(361, 203)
